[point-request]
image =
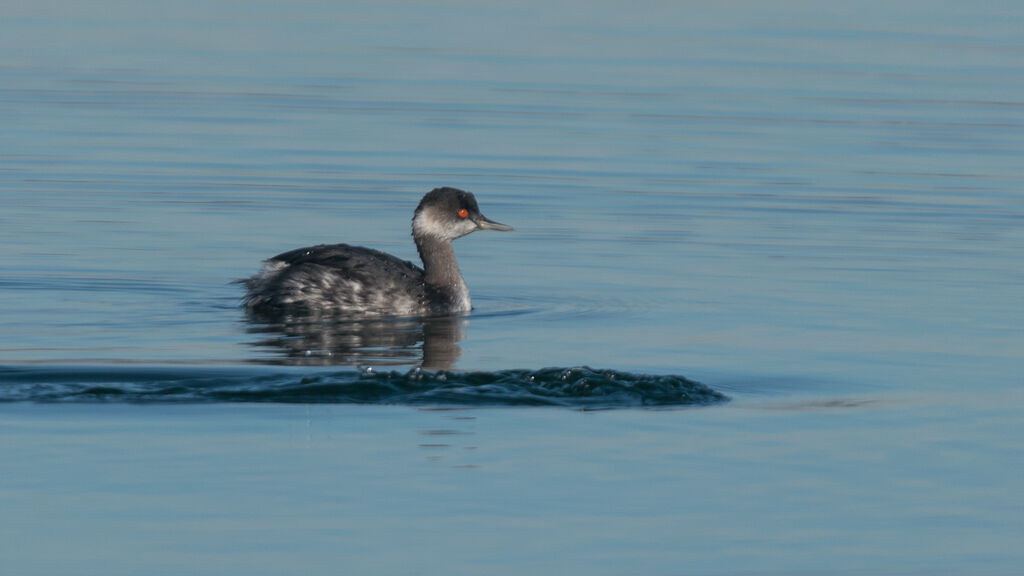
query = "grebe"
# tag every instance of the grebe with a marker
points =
(357, 280)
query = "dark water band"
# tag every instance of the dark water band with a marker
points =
(580, 387)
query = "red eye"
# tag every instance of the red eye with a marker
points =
(463, 213)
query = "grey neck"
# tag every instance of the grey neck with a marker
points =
(442, 271)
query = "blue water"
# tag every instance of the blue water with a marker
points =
(581, 387)
(761, 313)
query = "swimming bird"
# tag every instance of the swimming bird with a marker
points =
(365, 282)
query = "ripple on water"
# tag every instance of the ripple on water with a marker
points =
(579, 387)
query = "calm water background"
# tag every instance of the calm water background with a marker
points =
(815, 208)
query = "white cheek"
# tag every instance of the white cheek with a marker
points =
(425, 225)
(465, 227)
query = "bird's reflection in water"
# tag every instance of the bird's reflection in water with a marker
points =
(318, 339)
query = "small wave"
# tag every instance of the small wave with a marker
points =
(580, 387)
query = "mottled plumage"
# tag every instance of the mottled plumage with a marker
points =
(362, 281)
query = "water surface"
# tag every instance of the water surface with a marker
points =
(811, 213)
